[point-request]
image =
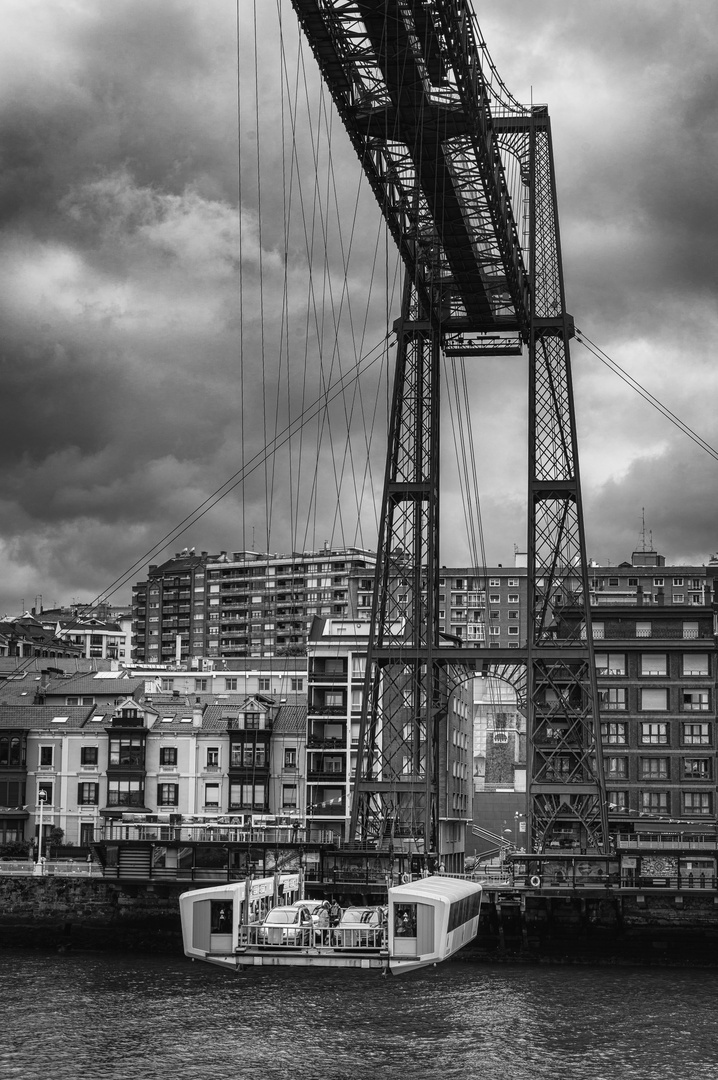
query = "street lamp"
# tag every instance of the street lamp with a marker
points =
(42, 799)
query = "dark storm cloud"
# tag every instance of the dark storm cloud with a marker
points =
(133, 381)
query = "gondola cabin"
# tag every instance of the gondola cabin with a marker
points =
(430, 919)
(215, 920)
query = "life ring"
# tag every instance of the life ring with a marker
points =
(405, 878)
(535, 881)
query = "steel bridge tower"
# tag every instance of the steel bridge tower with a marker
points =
(433, 129)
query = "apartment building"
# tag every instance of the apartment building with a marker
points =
(485, 606)
(169, 611)
(243, 603)
(91, 764)
(337, 664)
(654, 636)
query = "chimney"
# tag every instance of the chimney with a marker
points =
(197, 716)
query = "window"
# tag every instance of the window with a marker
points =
(695, 663)
(168, 794)
(265, 685)
(73, 700)
(46, 756)
(201, 684)
(125, 792)
(610, 663)
(12, 751)
(230, 684)
(697, 802)
(654, 699)
(513, 614)
(494, 598)
(168, 755)
(678, 581)
(696, 734)
(333, 700)
(697, 768)
(296, 685)
(513, 598)
(617, 800)
(654, 802)
(45, 787)
(654, 734)
(613, 583)
(614, 733)
(598, 630)
(211, 795)
(658, 582)
(213, 757)
(128, 752)
(643, 629)
(289, 796)
(696, 700)
(514, 630)
(690, 630)
(616, 768)
(166, 684)
(512, 582)
(88, 755)
(357, 699)
(247, 796)
(654, 768)
(654, 664)
(88, 794)
(614, 699)
(290, 757)
(494, 582)
(633, 582)
(679, 598)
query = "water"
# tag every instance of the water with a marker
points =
(88, 1016)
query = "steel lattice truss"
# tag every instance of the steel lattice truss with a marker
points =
(408, 78)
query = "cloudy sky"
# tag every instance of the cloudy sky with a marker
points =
(155, 339)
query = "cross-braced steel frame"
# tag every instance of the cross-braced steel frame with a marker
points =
(407, 79)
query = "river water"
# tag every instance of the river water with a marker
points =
(124, 1017)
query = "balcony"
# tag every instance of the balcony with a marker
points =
(319, 776)
(322, 742)
(666, 841)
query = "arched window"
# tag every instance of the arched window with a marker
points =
(15, 751)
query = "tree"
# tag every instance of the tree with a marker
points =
(55, 838)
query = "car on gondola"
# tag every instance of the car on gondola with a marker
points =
(287, 926)
(360, 927)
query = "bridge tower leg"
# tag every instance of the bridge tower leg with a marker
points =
(406, 686)
(566, 791)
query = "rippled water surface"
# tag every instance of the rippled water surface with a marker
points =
(122, 1018)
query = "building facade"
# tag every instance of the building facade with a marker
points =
(244, 604)
(337, 666)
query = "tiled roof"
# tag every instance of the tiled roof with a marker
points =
(41, 717)
(291, 720)
(72, 664)
(174, 718)
(87, 684)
